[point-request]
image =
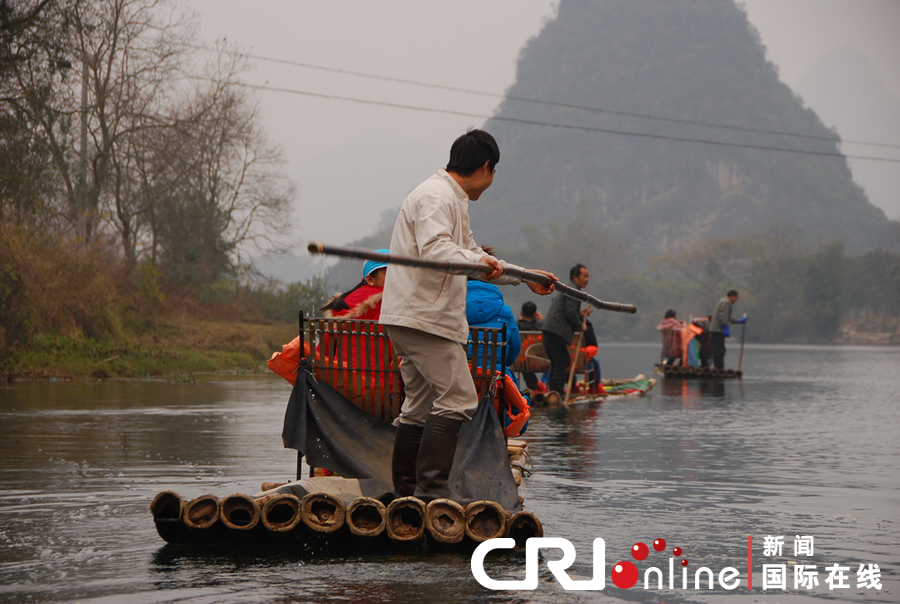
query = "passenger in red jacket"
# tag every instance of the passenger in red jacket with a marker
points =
(361, 302)
(364, 300)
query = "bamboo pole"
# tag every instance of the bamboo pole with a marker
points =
(522, 526)
(281, 513)
(201, 518)
(322, 512)
(575, 360)
(445, 521)
(167, 509)
(470, 268)
(366, 517)
(485, 520)
(239, 512)
(406, 519)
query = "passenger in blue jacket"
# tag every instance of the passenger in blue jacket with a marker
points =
(485, 308)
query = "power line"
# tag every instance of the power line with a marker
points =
(549, 103)
(551, 124)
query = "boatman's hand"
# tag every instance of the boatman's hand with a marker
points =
(494, 264)
(540, 288)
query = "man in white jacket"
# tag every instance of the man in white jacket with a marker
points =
(425, 314)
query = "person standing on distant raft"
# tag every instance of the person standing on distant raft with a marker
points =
(670, 327)
(564, 318)
(424, 313)
(718, 327)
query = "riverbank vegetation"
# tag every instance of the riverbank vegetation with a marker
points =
(135, 182)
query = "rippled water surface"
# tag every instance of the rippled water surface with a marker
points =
(804, 445)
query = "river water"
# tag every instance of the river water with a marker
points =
(804, 446)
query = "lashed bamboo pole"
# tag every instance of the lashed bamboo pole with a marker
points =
(281, 513)
(485, 520)
(322, 512)
(445, 521)
(366, 517)
(167, 509)
(522, 526)
(201, 517)
(406, 519)
(239, 512)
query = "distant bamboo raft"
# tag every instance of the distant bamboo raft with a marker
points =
(687, 372)
(274, 516)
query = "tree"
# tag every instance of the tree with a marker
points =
(144, 133)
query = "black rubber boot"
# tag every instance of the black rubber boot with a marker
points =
(436, 459)
(403, 462)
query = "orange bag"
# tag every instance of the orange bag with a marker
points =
(517, 408)
(286, 362)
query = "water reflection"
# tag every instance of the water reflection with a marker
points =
(803, 445)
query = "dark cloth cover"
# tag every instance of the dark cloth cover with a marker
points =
(335, 434)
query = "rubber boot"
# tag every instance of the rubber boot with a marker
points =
(436, 459)
(403, 462)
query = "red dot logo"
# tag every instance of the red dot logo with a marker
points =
(639, 551)
(677, 551)
(624, 575)
(684, 562)
(659, 545)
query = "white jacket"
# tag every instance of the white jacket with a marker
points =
(433, 225)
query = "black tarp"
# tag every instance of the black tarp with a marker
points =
(335, 434)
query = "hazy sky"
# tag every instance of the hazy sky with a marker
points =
(351, 161)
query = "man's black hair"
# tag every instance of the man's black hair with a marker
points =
(575, 271)
(670, 314)
(471, 150)
(528, 309)
(731, 292)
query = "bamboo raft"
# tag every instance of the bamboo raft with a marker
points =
(274, 515)
(697, 373)
(319, 517)
(324, 512)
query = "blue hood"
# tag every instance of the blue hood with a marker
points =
(483, 302)
(485, 308)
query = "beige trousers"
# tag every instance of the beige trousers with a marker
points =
(436, 376)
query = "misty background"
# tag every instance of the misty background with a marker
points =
(354, 162)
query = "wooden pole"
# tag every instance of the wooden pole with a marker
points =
(574, 359)
(470, 268)
(743, 330)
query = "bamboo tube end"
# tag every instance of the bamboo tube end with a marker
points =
(239, 512)
(406, 519)
(167, 506)
(322, 512)
(167, 509)
(522, 526)
(485, 520)
(366, 517)
(445, 521)
(202, 512)
(281, 513)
